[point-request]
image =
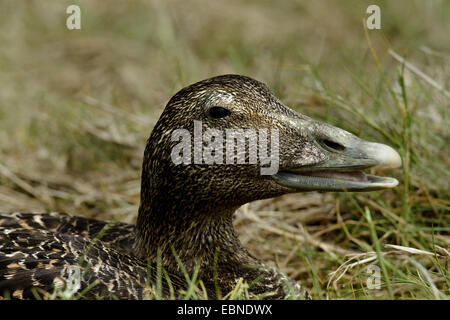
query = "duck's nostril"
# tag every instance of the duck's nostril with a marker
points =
(333, 145)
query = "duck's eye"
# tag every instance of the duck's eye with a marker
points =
(218, 112)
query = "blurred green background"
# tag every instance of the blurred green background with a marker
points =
(76, 107)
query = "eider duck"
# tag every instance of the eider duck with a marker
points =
(192, 184)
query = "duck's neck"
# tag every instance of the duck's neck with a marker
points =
(196, 232)
(181, 212)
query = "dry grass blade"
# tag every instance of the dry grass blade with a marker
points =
(408, 249)
(419, 73)
(428, 279)
(4, 171)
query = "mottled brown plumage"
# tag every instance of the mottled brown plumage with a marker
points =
(185, 208)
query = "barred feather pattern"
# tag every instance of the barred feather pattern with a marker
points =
(41, 251)
(119, 235)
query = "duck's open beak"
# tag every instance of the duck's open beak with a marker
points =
(346, 157)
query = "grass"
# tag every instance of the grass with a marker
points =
(77, 106)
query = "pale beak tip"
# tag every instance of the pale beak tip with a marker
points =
(393, 184)
(386, 156)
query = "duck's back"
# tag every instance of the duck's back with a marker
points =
(118, 235)
(38, 250)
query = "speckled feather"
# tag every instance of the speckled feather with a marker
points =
(119, 235)
(37, 250)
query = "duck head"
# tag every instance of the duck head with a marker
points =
(229, 140)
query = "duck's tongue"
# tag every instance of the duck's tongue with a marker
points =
(338, 175)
